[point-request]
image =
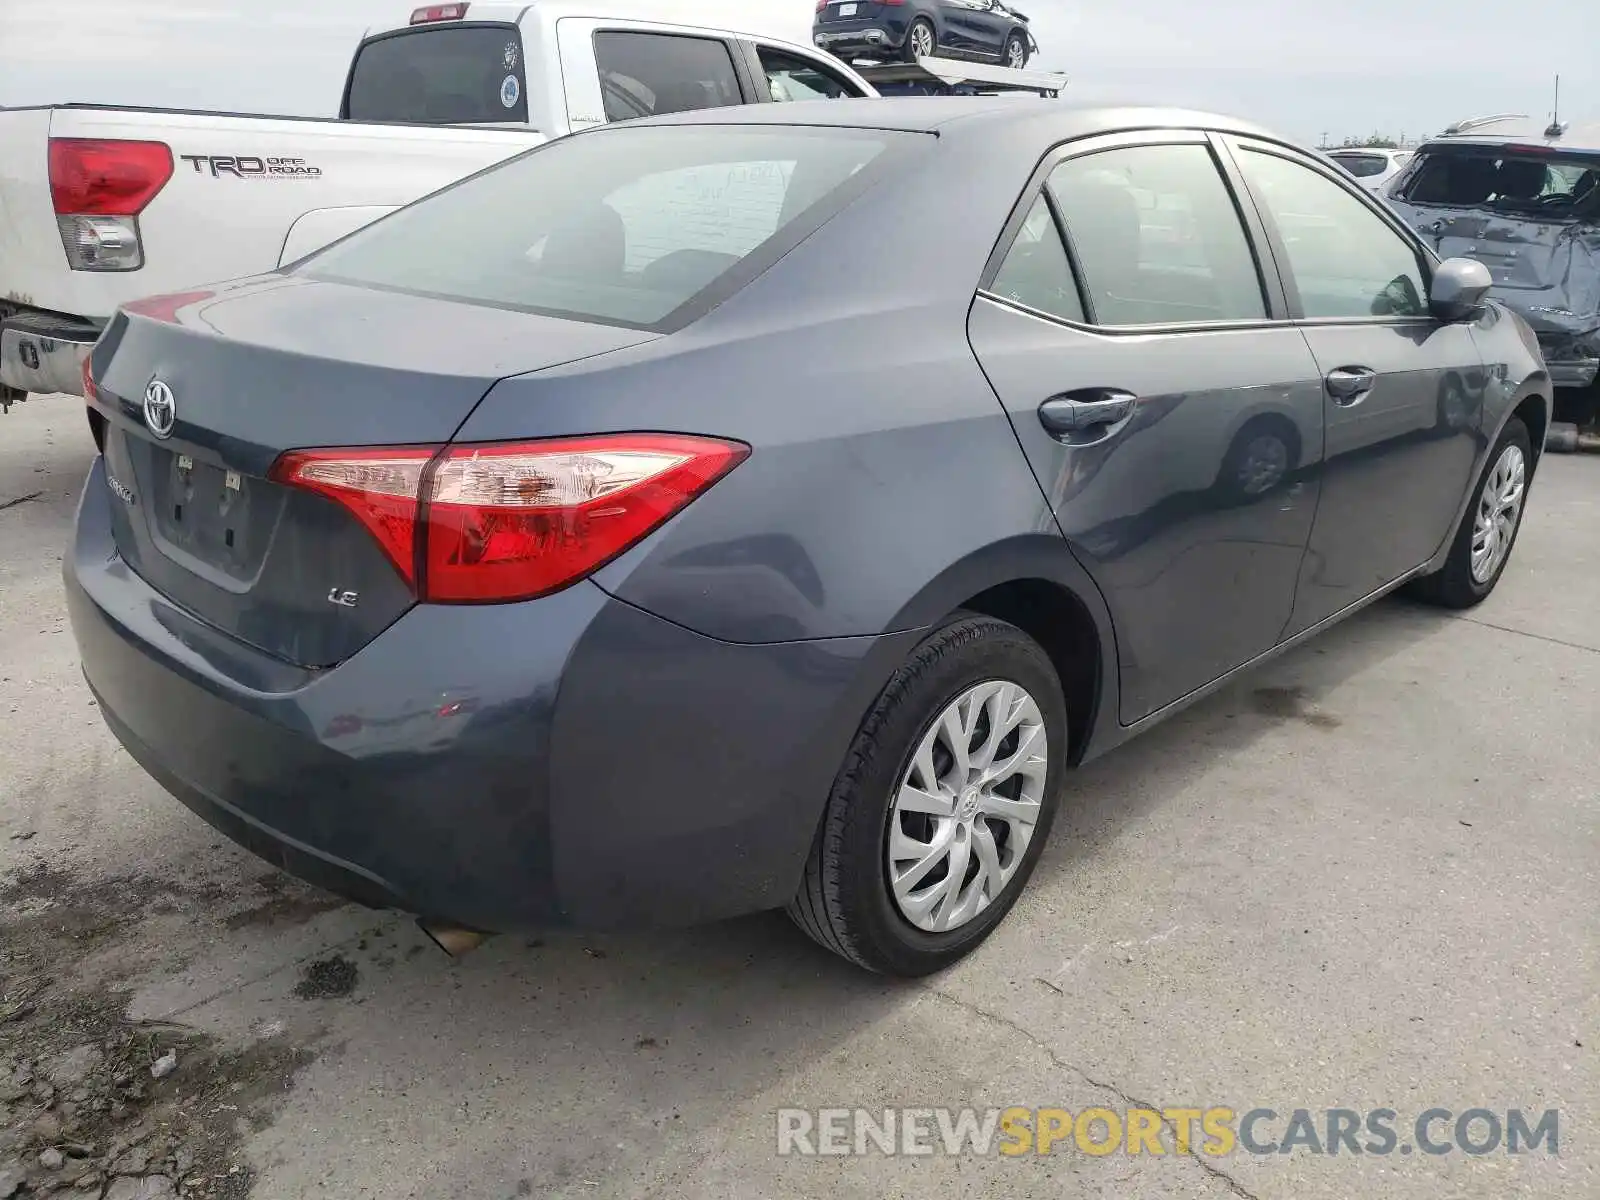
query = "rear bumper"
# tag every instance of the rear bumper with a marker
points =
(1573, 373)
(864, 38)
(568, 761)
(43, 353)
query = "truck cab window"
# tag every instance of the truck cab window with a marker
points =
(646, 74)
(790, 77)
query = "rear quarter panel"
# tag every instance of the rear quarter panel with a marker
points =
(882, 461)
(214, 221)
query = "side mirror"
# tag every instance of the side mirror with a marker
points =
(1459, 286)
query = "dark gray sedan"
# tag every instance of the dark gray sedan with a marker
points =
(650, 529)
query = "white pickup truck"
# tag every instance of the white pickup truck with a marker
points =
(101, 206)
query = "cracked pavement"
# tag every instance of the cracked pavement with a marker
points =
(1364, 876)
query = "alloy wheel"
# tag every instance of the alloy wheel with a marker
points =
(967, 806)
(1016, 55)
(1499, 506)
(921, 40)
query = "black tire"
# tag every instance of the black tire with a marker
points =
(1452, 585)
(908, 51)
(1016, 39)
(844, 901)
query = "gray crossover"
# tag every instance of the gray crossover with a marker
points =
(662, 525)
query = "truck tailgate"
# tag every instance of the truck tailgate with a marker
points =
(238, 187)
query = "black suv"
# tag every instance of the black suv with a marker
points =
(983, 30)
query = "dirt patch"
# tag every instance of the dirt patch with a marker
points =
(113, 1108)
(286, 902)
(1291, 704)
(327, 979)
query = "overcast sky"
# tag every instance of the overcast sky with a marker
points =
(1348, 67)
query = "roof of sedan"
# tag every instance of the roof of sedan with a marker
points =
(929, 114)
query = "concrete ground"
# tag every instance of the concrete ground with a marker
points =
(1364, 877)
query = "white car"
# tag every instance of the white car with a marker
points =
(100, 206)
(1374, 166)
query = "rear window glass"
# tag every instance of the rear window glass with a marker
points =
(1525, 181)
(623, 226)
(1362, 166)
(444, 75)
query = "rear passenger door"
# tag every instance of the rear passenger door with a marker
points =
(1171, 412)
(1403, 392)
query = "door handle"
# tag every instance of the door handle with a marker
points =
(1086, 409)
(1350, 385)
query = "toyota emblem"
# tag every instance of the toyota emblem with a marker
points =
(160, 409)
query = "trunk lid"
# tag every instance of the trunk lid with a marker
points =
(280, 364)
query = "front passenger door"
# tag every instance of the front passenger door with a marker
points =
(1403, 392)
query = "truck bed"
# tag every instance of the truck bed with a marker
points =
(246, 191)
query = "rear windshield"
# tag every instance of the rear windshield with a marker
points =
(642, 227)
(1362, 166)
(1528, 181)
(440, 75)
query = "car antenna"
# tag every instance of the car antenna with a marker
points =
(1555, 129)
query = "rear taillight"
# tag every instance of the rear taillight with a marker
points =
(99, 188)
(511, 521)
(90, 390)
(438, 12)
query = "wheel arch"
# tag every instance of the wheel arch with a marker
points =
(1534, 411)
(1034, 582)
(1531, 403)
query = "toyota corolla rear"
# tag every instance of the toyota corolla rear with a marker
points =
(331, 615)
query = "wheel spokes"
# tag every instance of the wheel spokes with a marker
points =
(965, 810)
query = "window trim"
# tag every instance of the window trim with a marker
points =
(731, 46)
(1427, 260)
(1085, 303)
(752, 48)
(1276, 301)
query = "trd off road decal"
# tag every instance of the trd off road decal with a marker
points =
(250, 166)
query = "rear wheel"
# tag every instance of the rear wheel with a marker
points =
(1016, 52)
(1488, 530)
(943, 805)
(921, 41)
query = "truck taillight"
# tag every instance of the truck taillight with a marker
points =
(99, 188)
(439, 12)
(475, 524)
